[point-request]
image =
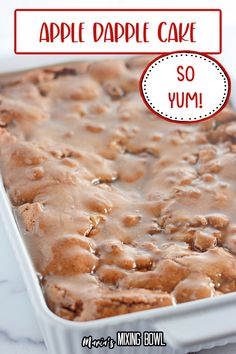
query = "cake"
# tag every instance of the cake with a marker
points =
(120, 210)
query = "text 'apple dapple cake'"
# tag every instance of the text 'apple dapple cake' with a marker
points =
(120, 211)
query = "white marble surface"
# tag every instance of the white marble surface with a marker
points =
(19, 333)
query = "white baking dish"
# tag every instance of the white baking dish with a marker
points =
(187, 327)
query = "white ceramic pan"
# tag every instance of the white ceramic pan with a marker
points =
(187, 327)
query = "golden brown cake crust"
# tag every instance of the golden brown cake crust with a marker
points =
(120, 211)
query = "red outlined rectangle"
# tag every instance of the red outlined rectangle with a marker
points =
(17, 51)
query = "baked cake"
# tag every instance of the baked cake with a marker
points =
(120, 211)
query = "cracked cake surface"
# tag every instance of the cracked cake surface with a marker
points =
(120, 211)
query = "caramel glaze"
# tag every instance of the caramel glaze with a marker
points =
(120, 211)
